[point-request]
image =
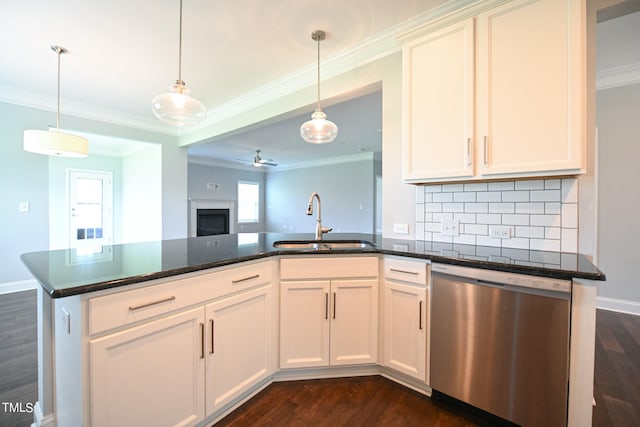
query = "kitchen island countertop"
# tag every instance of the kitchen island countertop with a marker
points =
(68, 272)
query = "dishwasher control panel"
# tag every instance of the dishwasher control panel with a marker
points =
(501, 277)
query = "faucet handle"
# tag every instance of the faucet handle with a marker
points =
(326, 229)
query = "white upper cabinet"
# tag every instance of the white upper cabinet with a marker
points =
(522, 65)
(438, 104)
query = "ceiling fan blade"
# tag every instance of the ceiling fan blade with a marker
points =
(262, 162)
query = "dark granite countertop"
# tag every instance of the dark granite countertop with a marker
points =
(67, 272)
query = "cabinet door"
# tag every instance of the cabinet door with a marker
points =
(530, 88)
(438, 104)
(354, 321)
(405, 328)
(239, 345)
(304, 323)
(151, 374)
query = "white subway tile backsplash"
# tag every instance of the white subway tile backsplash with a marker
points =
(476, 207)
(530, 208)
(552, 184)
(452, 187)
(545, 220)
(569, 241)
(453, 207)
(537, 184)
(515, 219)
(488, 196)
(545, 196)
(569, 215)
(501, 186)
(543, 213)
(469, 218)
(502, 207)
(515, 196)
(476, 186)
(545, 245)
(553, 208)
(570, 190)
(443, 197)
(530, 232)
(465, 196)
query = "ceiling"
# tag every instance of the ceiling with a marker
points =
(122, 53)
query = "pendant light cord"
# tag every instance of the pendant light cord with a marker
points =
(59, 50)
(180, 48)
(318, 73)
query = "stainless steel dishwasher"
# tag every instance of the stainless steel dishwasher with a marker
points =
(500, 342)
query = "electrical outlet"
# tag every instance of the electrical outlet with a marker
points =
(213, 186)
(401, 228)
(450, 227)
(500, 231)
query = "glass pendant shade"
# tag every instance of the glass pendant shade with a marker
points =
(52, 142)
(177, 107)
(318, 130)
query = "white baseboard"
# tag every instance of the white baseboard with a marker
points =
(23, 285)
(619, 305)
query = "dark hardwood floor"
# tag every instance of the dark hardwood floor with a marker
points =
(352, 402)
(18, 358)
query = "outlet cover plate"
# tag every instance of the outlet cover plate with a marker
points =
(450, 227)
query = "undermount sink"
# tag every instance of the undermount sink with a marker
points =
(323, 245)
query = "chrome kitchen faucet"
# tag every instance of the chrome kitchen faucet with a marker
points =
(320, 230)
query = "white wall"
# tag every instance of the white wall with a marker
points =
(142, 195)
(346, 190)
(618, 120)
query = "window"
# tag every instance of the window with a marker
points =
(248, 202)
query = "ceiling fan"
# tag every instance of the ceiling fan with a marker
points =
(259, 161)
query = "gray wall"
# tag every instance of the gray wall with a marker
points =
(25, 177)
(199, 175)
(347, 192)
(617, 118)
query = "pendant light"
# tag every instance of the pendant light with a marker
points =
(318, 130)
(177, 107)
(54, 142)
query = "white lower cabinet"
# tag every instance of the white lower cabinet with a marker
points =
(240, 340)
(151, 374)
(180, 369)
(328, 321)
(406, 321)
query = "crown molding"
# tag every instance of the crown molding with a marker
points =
(618, 76)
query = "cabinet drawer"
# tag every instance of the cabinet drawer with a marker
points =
(330, 267)
(122, 308)
(407, 270)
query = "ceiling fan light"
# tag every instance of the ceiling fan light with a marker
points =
(177, 107)
(318, 130)
(52, 142)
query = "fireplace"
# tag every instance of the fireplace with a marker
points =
(212, 221)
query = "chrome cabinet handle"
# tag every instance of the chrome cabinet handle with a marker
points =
(420, 315)
(149, 304)
(469, 152)
(414, 273)
(244, 279)
(334, 305)
(326, 305)
(202, 340)
(486, 153)
(213, 345)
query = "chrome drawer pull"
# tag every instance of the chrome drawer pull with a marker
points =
(213, 342)
(149, 304)
(202, 340)
(415, 273)
(255, 276)
(420, 315)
